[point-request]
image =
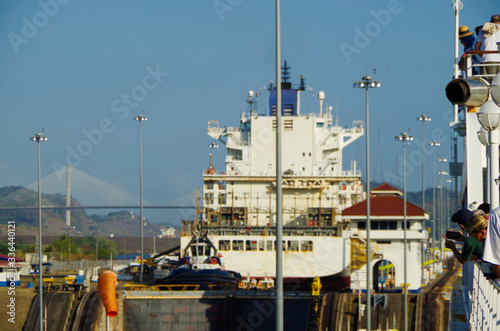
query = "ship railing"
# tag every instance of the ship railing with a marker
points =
(226, 129)
(347, 173)
(214, 172)
(481, 298)
(469, 65)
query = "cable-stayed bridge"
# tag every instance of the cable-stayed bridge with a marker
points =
(94, 193)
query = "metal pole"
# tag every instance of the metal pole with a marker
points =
(69, 247)
(96, 245)
(457, 8)
(279, 224)
(68, 212)
(423, 164)
(40, 289)
(494, 168)
(405, 242)
(434, 192)
(368, 223)
(123, 245)
(141, 209)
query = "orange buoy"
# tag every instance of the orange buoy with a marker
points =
(107, 290)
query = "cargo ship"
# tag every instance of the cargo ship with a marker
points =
(237, 207)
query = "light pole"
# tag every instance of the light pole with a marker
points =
(434, 144)
(489, 118)
(367, 83)
(447, 198)
(425, 120)
(123, 245)
(38, 137)
(96, 245)
(212, 146)
(442, 160)
(69, 246)
(280, 311)
(151, 238)
(405, 138)
(140, 119)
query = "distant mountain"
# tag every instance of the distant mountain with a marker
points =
(54, 220)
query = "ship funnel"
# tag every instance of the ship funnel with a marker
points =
(468, 92)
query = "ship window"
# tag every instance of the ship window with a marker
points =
(284, 245)
(309, 154)
(303, 154)
(251, 245)
(224, 245)
(303, 168)
(319, 125)
(209, 198)
(261, 245)
(237, 245)
(269, 246)
(306, 245)
(210, 185)
(293, 245)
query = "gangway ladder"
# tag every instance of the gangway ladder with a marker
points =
(314, 306)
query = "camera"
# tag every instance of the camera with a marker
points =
(452, 235)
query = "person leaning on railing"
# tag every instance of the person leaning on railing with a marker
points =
(492, 242)
(473, 245)
(487, 41)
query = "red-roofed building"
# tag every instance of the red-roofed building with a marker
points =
(387, 234)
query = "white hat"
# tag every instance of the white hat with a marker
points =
(474, 205)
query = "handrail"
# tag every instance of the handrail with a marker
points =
(469, 65)
(481, 298)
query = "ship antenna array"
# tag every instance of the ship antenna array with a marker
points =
(285, 73)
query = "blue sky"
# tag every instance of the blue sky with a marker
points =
(67, 66)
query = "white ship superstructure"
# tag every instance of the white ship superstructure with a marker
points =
(239, 202)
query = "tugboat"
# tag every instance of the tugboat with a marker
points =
(201, 265)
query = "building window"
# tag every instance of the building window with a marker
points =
(361, 225)
(210, 185)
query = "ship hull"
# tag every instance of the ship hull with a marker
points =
(304, 258)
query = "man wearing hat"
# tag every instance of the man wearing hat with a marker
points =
(468, 40)
(487, 41)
